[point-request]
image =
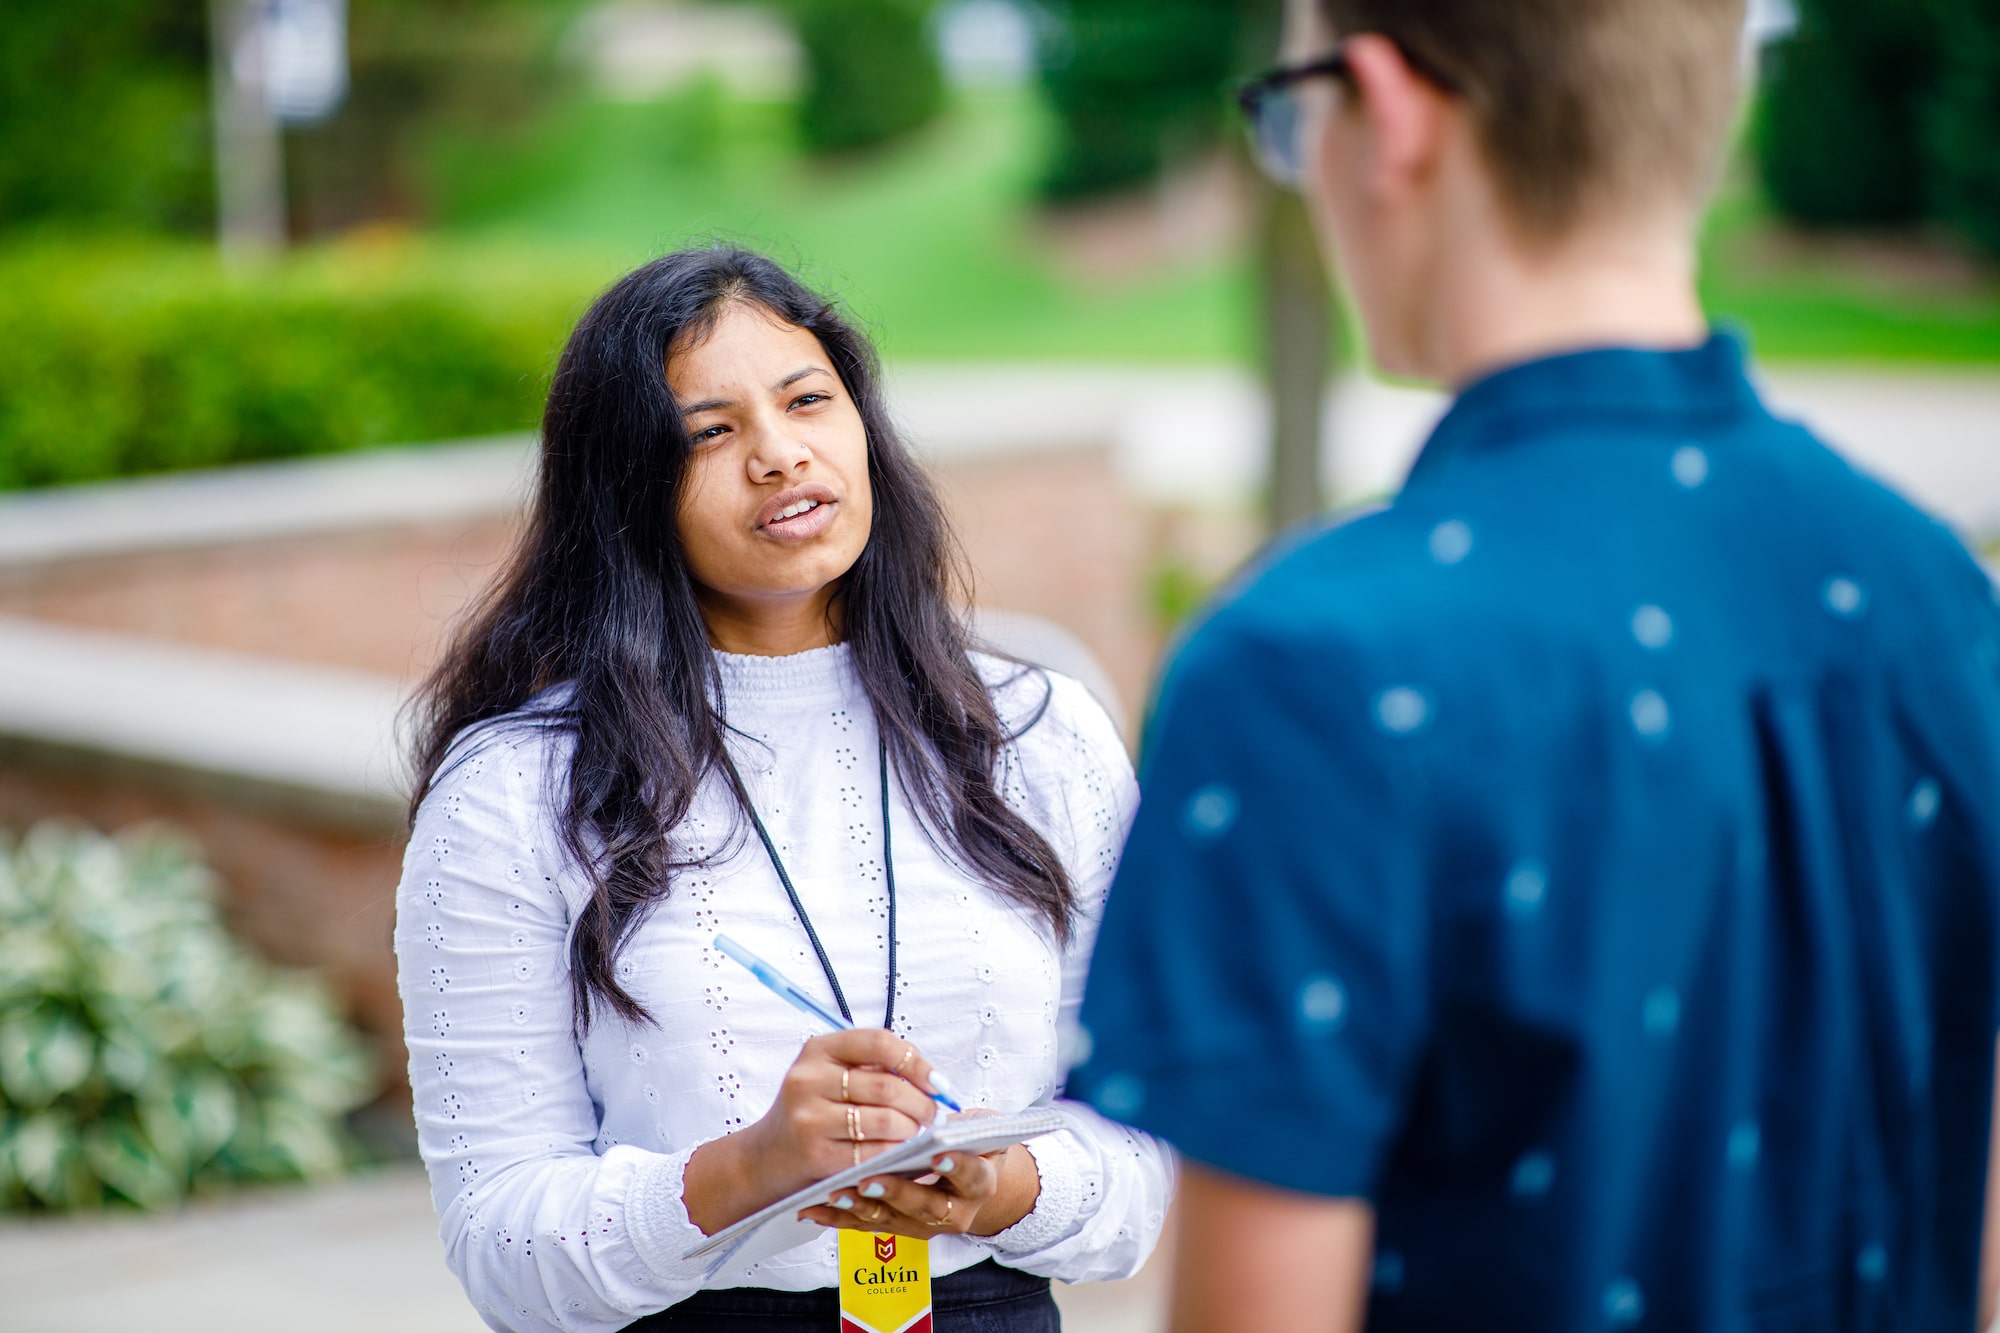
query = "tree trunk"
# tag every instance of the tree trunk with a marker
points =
(1299, 333)
(249, 154)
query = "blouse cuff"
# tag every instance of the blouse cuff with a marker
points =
(1061, 1162)
(656, 1215)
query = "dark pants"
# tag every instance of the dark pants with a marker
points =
(984, 1298)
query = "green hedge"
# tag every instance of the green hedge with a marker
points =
(143, 1053)
(153, 360)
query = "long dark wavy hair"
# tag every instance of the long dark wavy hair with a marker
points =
(597, 594)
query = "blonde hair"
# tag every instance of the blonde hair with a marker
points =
(1582, 106)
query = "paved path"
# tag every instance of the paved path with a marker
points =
(362, 1254)
(1195, 436)
(359, 1255)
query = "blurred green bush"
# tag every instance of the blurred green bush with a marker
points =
(143, 1053)
(871, 72)
(149, 359)
(1875, 113)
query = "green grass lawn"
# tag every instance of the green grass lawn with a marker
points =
(931, 242)
(935, 242)
(1892, 299)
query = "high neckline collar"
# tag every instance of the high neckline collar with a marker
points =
(814, 672)
(1681, 386)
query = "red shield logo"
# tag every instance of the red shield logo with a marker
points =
(885, 1248)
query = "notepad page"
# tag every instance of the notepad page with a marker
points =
(775, 1229)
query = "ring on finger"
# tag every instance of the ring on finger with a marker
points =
(909, 1052)
(942, 1221)
(854, 1124)
(845, 1072)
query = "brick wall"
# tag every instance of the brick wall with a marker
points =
(1051, 534)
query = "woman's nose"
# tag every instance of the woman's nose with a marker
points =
(775, 450)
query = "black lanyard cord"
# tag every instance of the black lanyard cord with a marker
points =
(784, 878)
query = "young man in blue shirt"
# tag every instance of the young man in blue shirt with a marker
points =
(1568, 899)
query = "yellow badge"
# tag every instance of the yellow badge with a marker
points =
(885, 1283)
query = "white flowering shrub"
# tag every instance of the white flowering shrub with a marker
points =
(143, 1051)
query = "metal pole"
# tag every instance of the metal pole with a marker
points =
(249, 155)
(1298, 320)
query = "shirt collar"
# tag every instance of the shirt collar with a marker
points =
(1639, 386)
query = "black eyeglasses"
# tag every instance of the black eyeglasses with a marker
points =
(1271, 104)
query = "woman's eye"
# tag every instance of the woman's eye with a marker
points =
(711, 434)
(808, 399)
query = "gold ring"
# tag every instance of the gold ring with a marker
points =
(857, 1153)
(942, 1221)
(844, 1072)
(908, 1052)
(854, 1123)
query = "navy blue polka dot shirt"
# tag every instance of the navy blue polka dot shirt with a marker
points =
(1593, 860)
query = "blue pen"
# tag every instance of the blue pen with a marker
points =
(798, 999)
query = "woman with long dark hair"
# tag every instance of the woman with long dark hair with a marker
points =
(723, 686)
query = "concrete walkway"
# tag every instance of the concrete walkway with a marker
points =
(1192, 436)
(360, 1255)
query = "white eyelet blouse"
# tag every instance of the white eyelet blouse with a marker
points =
(556, 1166)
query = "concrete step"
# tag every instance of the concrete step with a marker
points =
(286, 738)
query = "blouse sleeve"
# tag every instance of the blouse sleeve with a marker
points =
(1104, 1187)
(539, 1228)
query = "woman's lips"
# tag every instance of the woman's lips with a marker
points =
(801, 527)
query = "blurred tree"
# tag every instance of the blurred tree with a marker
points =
(1136, 83)
(871, 71)
(1841, 125)
(1964, 122)
(104, 113)
(416, 65)
(1886, 113)
(104, 107)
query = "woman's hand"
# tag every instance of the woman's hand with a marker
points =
(848, 1096)
(970, 1195)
